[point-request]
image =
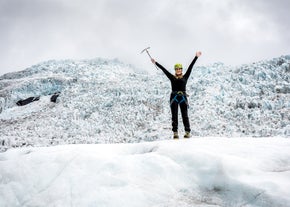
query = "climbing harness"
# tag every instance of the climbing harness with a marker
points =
(180, 96)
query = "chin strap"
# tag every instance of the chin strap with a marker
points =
(178, 76)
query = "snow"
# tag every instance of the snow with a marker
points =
(106, 141)
(189, 172)
(107, 101)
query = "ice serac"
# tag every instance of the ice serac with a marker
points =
(107, 101)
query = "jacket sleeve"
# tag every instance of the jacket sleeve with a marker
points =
(188, 72)
(169, 75)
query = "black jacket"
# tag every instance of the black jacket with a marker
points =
(178, 84)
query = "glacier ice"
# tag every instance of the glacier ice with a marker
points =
(107, 101)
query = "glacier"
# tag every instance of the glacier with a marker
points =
(108, 101)
(199, 172)
(94, 146)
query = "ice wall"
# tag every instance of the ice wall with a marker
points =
(107, 101)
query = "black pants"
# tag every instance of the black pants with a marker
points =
(180, 101)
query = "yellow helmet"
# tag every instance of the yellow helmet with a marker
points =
(177, 65)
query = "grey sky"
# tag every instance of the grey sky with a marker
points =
(228, 31)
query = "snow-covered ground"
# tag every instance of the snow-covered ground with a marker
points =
(107, 101)
(202, 172)
(105, 116)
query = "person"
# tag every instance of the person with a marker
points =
(178, 95)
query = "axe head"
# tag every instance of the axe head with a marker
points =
(147, 48)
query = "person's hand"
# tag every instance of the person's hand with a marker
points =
(198, 53)
(153, 61)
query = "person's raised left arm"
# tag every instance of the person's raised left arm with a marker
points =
(188, 72)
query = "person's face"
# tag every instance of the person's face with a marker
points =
(178, 71)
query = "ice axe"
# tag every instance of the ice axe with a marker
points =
(146, 49)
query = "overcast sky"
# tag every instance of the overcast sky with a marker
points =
(229, 31)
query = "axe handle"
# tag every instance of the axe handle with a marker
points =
(151, 58)
(148, 54)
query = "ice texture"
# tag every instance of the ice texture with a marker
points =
(108, 101)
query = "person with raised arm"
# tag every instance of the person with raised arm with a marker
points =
(178, 95)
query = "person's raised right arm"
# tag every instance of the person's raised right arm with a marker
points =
(169, 75)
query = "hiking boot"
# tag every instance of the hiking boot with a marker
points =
(175, 135)
(187, 135)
